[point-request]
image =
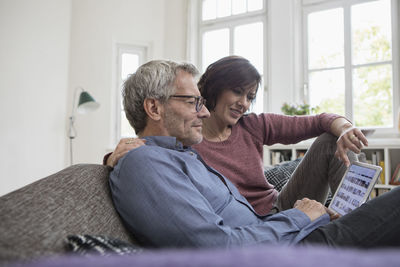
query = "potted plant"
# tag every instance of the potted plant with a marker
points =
(297, 109)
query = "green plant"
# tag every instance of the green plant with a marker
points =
(297, 109)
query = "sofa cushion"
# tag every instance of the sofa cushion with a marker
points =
(36, 218)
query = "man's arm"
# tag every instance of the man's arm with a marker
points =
(163, 207)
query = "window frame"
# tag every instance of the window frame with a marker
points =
(230, 23)
(195, 47)
(311, 6)
(120, 49)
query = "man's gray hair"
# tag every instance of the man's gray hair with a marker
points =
(154, 79)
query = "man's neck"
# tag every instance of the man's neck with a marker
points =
(152, 130)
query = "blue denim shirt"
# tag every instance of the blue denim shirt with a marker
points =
(169, 197)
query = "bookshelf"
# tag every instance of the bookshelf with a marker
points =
(385, 151)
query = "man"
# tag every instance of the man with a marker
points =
(169, 197)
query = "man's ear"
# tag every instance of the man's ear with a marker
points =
(153, 108)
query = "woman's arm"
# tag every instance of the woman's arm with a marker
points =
(124, 146)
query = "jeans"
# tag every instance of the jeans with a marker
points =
(317, 172)
(375, 224)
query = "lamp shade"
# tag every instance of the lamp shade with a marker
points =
(86, 103)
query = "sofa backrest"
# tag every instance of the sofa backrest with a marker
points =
(36, 219)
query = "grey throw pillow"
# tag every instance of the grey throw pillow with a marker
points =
(279, 174)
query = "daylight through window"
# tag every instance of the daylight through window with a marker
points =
(349, 66)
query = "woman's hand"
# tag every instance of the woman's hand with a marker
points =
(350, 138)
(332, 215)
(123, 147)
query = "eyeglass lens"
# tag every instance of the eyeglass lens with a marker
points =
(200, 101)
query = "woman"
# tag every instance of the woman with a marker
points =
(233, 140)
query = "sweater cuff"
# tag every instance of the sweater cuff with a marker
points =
(105, 158)
(328, 120)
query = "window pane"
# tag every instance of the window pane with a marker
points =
(327, 91)
(130, 63)
(373, 96)
(253, 5)
(215, 46)
(326, 39)
(371, 32)
(223, 8)
(126, 128)
(258, 105)
(238, 6)
(248, 42)
(209, 9)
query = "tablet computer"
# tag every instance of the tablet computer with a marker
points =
(355, 187)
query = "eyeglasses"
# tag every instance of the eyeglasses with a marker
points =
(199, 101)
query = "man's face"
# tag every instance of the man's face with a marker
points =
(180, 118)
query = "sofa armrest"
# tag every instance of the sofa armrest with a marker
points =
(36, 219)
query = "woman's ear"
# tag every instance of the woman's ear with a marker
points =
(153, 108)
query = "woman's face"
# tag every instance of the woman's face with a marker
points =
(233, 103)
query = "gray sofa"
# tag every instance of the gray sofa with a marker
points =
(36, 219)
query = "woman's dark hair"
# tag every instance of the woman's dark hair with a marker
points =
(226, 74)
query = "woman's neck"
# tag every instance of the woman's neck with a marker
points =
(215, 130)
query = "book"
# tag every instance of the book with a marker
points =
(396, 176)
(382, 175)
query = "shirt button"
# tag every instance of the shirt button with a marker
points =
(191, 153)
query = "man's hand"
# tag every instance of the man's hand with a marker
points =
(312, 208)
(123, 147)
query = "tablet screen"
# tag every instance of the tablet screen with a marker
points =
(355, 187)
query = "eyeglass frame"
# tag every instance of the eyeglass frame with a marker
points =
(199, 100)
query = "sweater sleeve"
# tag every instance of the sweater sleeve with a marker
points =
(284, 129)
(105, 158)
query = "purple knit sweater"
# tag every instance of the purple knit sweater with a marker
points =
(240, 157)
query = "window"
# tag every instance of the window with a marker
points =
(349, 60)
(233, 27)
(129, 58)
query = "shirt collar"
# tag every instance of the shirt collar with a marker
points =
(168, 142)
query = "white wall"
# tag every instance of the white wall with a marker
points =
(49, 47)
(96, 26)
(284, 78)
(176, 30)
(34, 55)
